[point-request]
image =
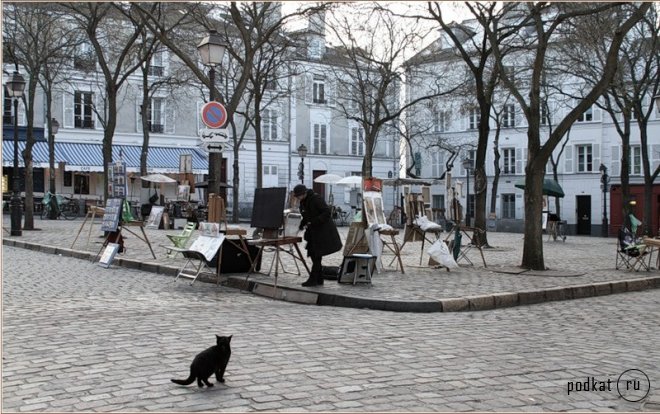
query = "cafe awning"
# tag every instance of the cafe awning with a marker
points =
(89, 157)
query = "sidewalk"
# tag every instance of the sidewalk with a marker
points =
(579, 267)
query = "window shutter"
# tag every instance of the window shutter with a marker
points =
(67, 104)
(615, 162)
(22, 115)
(568, 159)
(655, 157)
(309, 84)
(519, 162)
(170, 117)
(138, 118)
(96, 99)
(596, 158)
(166, 62)
(331, 92)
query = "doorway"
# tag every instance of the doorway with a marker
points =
(583, 211)
(319, 188)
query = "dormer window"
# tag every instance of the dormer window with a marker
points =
(157, 67)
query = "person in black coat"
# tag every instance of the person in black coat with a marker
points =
(321, 233)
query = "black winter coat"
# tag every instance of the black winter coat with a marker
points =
(321, 234)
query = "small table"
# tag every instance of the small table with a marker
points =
(654, 246)
(278, 244)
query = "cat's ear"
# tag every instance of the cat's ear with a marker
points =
(229, 338)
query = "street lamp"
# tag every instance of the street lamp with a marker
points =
(467, 164)
(211, 50)
(604, 180)
(15, 87)
(54, 129)
(302, 151)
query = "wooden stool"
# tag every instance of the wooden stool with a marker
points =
(393, 246)
(357, 268)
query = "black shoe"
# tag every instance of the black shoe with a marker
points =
(310, 282)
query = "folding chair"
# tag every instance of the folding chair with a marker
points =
(630, 253)
(180, 240)
(200, 255)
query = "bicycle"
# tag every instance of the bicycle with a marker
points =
(556, 230)
(68, 209)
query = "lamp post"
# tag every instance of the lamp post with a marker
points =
(211, 50)
(302, 151)
(604, 181)
(15, 87)
(54, 128)
(467, 164)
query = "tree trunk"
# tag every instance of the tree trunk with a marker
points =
(625, 175)
(496, 177)
(144, 112)
(108, 135)
(533, 246)
(27, 154)
(236, 177)
(258, 143)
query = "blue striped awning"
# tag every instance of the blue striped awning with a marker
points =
(89, 157)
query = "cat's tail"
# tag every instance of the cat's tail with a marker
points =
(187, 381)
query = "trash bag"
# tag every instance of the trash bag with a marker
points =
(441, 254)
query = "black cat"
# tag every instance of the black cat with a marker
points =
(212, 360)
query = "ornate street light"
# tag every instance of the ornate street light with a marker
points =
(211, 51)
(467, 165)
(604, 181)
(15, 86)
(302, 152)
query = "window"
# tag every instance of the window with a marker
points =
(320, 139)
(270, 176)
(84, 109)
(509, 161)
(440, 121)
(509, 116)
(586, 116)
(510, 72)
(635, 160)
(269, 125)
(357, 141)
(68, 178)
(81, 184)
(318, 91)
(436, 164)
(156, 115)
(545, 115)
(474, 118)
(584, 158)
(7, 109)
(418, 164)
(157, 68)
(438, 201)
(508, 206)
(83, 58)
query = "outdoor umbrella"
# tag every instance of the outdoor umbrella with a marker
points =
(353, 180)
(158, 178)
(550, 187)
(328, 179)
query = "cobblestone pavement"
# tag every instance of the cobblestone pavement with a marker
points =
(579, 260)
(77, 337)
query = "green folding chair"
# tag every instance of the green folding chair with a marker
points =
(180, 241)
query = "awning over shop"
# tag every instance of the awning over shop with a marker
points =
(89, 157)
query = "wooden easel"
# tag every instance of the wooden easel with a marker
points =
(115, 225)
(91, 214)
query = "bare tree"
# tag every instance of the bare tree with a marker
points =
(38, 41)
(114, 40)
(530, 29)
(374, 70)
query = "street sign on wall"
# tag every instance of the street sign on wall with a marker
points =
(214, 114)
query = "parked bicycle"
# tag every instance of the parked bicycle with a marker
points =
(67, 207)
(556, 228)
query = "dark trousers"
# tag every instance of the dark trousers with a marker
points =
(316, 265)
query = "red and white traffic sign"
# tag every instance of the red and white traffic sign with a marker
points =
(214, 114)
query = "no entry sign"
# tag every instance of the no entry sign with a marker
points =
(214, 114)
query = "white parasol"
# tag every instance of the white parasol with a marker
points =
(158, 178)
(327, 179)
(352, 180)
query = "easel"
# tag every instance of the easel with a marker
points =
(113, 224)
(278, 243)
(91, 214)
(470, 244)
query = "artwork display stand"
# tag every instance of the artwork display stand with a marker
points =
(113, 224)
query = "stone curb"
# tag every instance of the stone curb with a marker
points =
(298, 295)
